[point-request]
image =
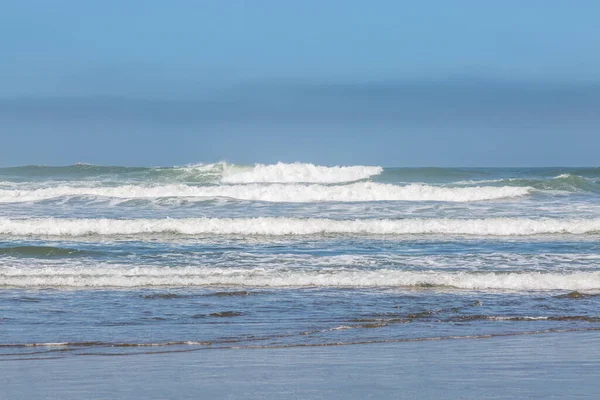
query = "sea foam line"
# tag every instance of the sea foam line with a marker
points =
(291, 193)
(143, 276)
(278, 226)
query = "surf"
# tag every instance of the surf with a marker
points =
(284, 226)
(123, 276)
(276, 192)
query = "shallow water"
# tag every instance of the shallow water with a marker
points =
(544, 366)
(117, 260)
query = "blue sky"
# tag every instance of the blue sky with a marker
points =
(385, 82)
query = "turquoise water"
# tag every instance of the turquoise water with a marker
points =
(103, 260)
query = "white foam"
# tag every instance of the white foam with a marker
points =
(142, 276)
(296, 226)
(300, 193)
(299, 173)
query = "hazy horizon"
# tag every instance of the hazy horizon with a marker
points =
(433, 84)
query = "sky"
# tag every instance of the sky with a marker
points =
(430, 83)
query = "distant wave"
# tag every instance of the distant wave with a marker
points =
(141, 276)
(564, 182)
(216, 172)
(279, 226)
(273, 173)
(302, 172)
(76, 170)
(299, 193)
(299, 173)
(223, 173)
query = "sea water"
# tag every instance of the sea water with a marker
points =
(112, 260)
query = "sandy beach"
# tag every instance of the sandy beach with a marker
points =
(544, 366)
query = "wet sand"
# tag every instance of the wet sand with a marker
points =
(544, 366)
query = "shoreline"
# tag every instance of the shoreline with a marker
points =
(98, 349)
(549, 365)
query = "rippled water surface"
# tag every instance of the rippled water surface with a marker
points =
(97, 260)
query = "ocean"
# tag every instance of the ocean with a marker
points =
(108, 260)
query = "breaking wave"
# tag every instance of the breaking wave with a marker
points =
(279, 193)
(124, 276)
(298, 173)
(216, 172)
(279, 226)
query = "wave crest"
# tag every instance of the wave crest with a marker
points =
(298, 173)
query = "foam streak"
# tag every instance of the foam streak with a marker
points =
(279, 193)
(127, 276)
(279, 226)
